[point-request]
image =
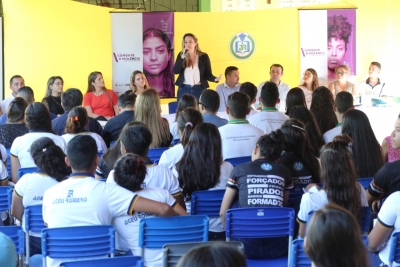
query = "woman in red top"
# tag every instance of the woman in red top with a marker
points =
(99, 102)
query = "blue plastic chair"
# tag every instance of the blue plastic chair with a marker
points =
(112, 143)
(172, 107)
(155, 154)
(5, 198)
(23, 171)
(78, 242)
(33, 221)
(8, 162)
(126, 261)
(394, 248)
(240, 160)
(365, 182)
(207, 202)
(100, 154)
(299, 258)
(261, 222)
(16, 234)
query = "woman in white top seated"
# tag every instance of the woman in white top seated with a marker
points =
(76, 124)
(202, 168)
(339, 175)
(50, 160)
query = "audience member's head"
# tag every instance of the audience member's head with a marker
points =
(269, 94)
(130, 172)
(214, 255)
(238, 105)
(16, 110)
(187, 120)
(295, 97)
(249, 89)
(343, 102)
(26, 93)
(269, 146)
(322, 107)
(77, 120)
(126, 101)
(37, 117)
(334, 239)
(136, 138)
(50, 158)
(186, 101)
(209, 101)
(70, 98)
(82, 153)
(8, 254)
(16, 82)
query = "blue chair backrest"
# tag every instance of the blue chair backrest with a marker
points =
(172, 107)
(78, 242)
(207, 202)
(299, 258)
(365, 181)
(112, 143)
(364, 220)
(23, 171)
(156, 232)
(126, 261)
(16, 234)
(33, 219)
(155, 153)
(5, 198)
(394, 248)
(240, 160)
(100, 154)
(8, 162)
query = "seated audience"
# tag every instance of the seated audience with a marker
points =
(77, 122)
(148, 111)
(269, 119)
(238, 136)
(202, 168)
(186, 101)
(263, 166)
(295, 97)
(37, 119)
(339, 175)
(323, 109)
(230, 86)
(391, 144)
(187, 121)
(208, 106)
(52, 99)
(251, 90)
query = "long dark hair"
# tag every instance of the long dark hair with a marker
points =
(366, 149)
(200, 165)
(307, 118)
(37, 117)
(296, 141)
(187, 120)
(50, 158)
(186, 101)
(339, 174)
(130, 172)
(322, 109)
(295, 97)
(270, 145)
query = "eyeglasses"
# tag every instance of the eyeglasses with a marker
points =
(307, 74)
(201, 104)
(341, 73)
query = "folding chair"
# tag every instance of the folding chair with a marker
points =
(173, 252)
(155, 154)
(261, 222)
(33, 222)
(23, 171)
(172, 107)
(126, 261)
(8, 162)
(17, 236)
(394, 248)
(365, 182)
(207, 202)
(299, 258)
(240, 160)
(5, 198)
(78, 242)
(154, 233)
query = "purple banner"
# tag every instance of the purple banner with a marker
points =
(158, 51)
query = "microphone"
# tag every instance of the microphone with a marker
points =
(185, 53)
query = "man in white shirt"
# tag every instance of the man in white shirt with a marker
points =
(373, 86)
(269, 119)
(230, 86)
(275, 73)
(238, 136)
(343, 102)
(16, 82)
(251, 90)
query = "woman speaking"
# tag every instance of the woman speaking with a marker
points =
(193, 67)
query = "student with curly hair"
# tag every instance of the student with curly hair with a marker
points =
(295, 97)
(29, 190)
(323, 109)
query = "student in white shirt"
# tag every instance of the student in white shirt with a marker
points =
(30, 189)
(76, 124)
(269, 119)
(251, 90)
(238, 136)
(202, 168)
(186, 121)
(130, 172)
(186, 101)
(37, 119)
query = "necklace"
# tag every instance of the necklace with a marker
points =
(52, 97)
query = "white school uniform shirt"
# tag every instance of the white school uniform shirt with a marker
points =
(268, 120)
(332, 133)
(283, 89)
(127, 227)
(101, 145)
(6, 102)
(238, 138)
(215, 224)
(31, 188)
(3, 152)
(173, 129)
(251, 113)
(171, 156)
(21, 146)
(81, 201)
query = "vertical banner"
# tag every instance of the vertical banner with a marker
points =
(327, 40)
(144, 42)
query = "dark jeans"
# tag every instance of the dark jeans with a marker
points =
(35, 245)
(216, 236)
(264, 248)
(196, 91)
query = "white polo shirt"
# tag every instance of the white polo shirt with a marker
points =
(283, 91)
(5, 103)
(101, 145)
(224, 91)
(268, 120)
(332, 133)
(238, 138)
(171, 156)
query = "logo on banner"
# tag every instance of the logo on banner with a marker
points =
(242, 45)
(125, 57)
(312, 52)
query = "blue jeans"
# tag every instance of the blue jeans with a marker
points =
(196, 91)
